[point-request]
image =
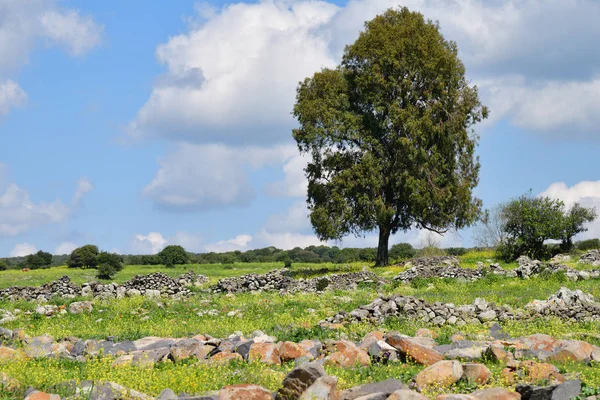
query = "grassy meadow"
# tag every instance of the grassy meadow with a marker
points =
(288, 317)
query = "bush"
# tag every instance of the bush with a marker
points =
(588, 244)
(41, 259)
(402, 251)
(3, 265)
(111, 259)
(173, 255)
(456, 251)
(287, 263)
(84, 257)
(106, 271)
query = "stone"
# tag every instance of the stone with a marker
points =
(348, 357)
(244, 392)
(265, 352)
(386, 387)
(167, 394)
(415, 351)
(573, 350)
(324, 388)
(424, 332)
(443, 373)
(477, 373)
(81, 307)
(6, 353)
(563, 391)
(486, 316)
(8, 383)
(225, 357)
(541, 371)
(187, 348)
(495, 394)
(289, 351)
(497, 353)
(37, 395)
(298, 380)
(406, 394)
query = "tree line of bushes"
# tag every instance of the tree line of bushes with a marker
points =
(539, 227)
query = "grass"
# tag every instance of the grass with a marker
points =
(291, 317)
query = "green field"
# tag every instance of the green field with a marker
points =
(291, 317)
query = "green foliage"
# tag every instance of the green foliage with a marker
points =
(3, 265)
(84, 257)
(588, 244)
(456, 251)
(529, 222)
(287, 263)
(389, 132)
(41, 259)
(114, 260)
(106, 271)
(173, 255)
(402, 251)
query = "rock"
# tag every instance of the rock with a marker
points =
(348, 356)
(417, 352)
(8, 383)
(406, 394)
(298, 380)
(80, 307)
(324, 388)
(497, 353)
(37, 395)
(424, 332)
(541, 371)
(244, 392)
(167, 394)
(442, 373)
(225, 357)
(486, 316)
(386, 387)
(477, 373)
(265, 352)
(563, 391)
(6, 353)
(187, 348)
(495, 394)
(573, 350)
(289, 351)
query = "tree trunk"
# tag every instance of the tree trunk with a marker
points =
(382, 247)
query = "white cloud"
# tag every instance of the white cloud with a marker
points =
(65, 248)
(76, 33)
(23, 249)
(586, 193)
(200, 177)
(83, 186)
(233, 79)
(294, 183)
(284, 240)
(240, 242)
(19, 214)
(295, 219)
(11, 96)
(151, 243)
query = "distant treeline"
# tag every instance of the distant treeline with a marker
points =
(310, 254)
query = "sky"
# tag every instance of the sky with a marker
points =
(135, 125)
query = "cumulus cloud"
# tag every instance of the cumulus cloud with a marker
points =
(11, 96)
(295, 219)
(201, 177)
(233, 78)
(65, 248)
(240, 242)
(19, 214)
(23, 249)
(151, 243)
(586, 193)
(294, 183)
(83, 186)
(69, 29)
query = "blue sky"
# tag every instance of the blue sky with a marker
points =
(133, 125)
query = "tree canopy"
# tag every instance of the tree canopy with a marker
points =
(173, 255)
(389, 134)
(84, 257)
(40, 259)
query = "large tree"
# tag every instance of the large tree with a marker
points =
(84, 257)
(389, 134)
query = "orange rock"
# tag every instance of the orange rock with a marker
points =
(350, 357)
(225, 357)
(265, 352)
(496, 353)
(508, 376)
(36, 395)
(289, 351)
(573, 350)
(424, 332)
(201, 338)
(342, 345)
(457, 337)
(496, 394)
(415, 351)
(477, 373)
(442, 373)
(540, 341)
(6, 353)
(244, 392)
(406, 394)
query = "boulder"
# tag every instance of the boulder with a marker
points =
(8, 383)
(415, 351)
(298, 380)
(324, 388)
(563, 391)
(573, 350)
(476, 373)
(386, 387)
(244, 392)
(225, 357)
(495, 394)
(37, 395)
(265, 352)
(81, 307)
(406, 394)
(6, 353)
(348, 357)
(289, 351)
(441, 374)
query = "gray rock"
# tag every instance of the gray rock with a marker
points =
(386, 387)
(563, 391)
(299, 380)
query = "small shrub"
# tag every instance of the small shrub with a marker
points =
(3, 265)
(402, 251)
(456, 251)
(322, 284)
(106, 271)
(588, 244)
(287, 263)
